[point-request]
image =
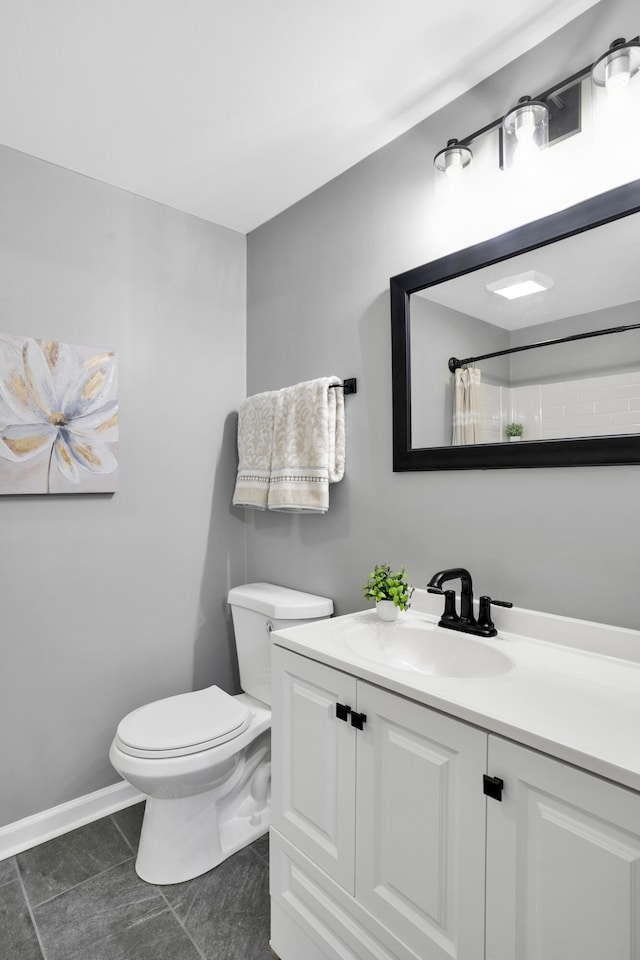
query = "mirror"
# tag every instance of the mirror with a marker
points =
(574, 388)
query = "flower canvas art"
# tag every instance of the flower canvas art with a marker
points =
(58, 418)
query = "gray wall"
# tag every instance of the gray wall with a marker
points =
(599, 356)
(438, 333)
(107, 602)
(562, 540)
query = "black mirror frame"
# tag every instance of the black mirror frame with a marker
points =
(584, 451)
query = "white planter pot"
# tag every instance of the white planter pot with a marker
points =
(387, 610)
(514, 439)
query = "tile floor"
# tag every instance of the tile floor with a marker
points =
(78, 897)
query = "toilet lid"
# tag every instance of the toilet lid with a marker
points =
(177, 726)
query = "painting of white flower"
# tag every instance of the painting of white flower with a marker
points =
(58, 417)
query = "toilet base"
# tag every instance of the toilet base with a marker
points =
(182, 838)
(201, 807)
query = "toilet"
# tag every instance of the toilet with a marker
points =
(202, 759)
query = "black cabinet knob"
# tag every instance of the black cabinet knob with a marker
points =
(493, 787)
(342, 711)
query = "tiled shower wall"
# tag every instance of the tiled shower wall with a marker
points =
(589, 407)
(493, 412)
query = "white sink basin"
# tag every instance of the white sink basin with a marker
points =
(423, 647)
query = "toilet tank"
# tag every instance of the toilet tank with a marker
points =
(257, 609)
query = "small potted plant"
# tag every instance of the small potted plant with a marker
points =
(390, 590)
(514, 431)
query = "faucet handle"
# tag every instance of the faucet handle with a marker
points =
(449, 612)
(449, 606)
(484, 614)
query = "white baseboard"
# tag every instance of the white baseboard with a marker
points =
(23, 834)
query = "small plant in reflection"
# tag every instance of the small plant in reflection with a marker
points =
(514, 429)
(384, 584)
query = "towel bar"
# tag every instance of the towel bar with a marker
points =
(350, 385)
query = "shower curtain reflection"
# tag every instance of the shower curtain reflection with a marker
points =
(466, 406)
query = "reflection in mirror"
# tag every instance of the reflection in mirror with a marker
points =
(573, 402)
(576, 388)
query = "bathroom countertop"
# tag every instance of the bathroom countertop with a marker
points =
(580, 705)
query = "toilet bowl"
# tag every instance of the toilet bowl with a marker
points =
(202, 759)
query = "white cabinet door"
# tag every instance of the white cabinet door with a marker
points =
(563, 862)
(420, 837)
(313, 761)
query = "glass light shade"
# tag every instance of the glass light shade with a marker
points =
(615, 68)
(525, 131)
(453, 159)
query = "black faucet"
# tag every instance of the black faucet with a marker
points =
(465, 622)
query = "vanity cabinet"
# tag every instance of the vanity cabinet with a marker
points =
(392, 814)
(563, 862)
(313, 757)
(385, 847)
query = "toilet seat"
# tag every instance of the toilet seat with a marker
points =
(182, 725)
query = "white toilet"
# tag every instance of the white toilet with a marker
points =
(203, 758)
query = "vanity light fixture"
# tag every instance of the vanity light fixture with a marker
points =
(615, 68)
(525, 131)
(551, 116)
(453, 159)
(521, 285)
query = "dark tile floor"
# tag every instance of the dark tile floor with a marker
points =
(78, 897)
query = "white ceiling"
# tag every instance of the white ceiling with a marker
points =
(607, 257)
(234, 109)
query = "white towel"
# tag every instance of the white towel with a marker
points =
(255, 445)
(308, 446)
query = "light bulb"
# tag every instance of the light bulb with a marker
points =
(525, 125)
(453, 164)
(615, 68)
(617, 71)
(453, 159)
(525, 132)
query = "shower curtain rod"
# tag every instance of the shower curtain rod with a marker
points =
(455, 364)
